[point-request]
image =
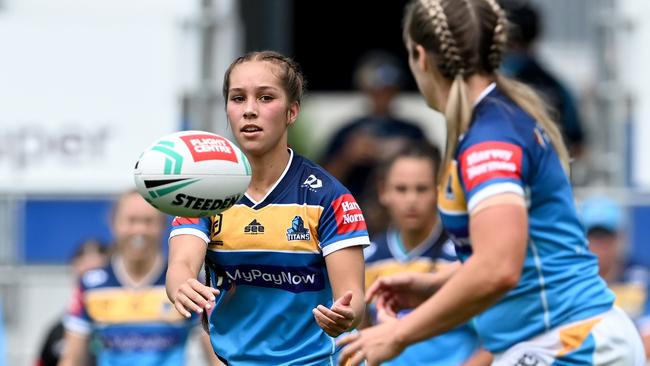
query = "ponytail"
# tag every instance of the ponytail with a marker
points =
(458, 113)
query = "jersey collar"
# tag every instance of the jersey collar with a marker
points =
(399, 252)
(158, 269)
(488, 89)
(274, 190)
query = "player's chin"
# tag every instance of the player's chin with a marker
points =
(411, 222)
(254, 147)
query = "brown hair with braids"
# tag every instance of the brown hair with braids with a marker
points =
(467, 37)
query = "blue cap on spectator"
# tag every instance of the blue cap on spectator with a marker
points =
(601, 213)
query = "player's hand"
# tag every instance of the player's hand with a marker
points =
(401, 291)
(385, 314)
(373, 345)
(338, 318)
(193, 296)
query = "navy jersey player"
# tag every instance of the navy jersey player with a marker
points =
(416, 242)
(123, 305)
(286, 261)
(527, 274)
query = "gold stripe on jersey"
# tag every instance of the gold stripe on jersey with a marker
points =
(120, 305)
(451, 198)
(276, 220)
(390, 267)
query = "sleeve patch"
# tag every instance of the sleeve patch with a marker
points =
(488, 160)
(76, 305)
(178, 221)
(348, 214)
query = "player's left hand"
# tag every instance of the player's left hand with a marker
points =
(373, 345)
(338, 318)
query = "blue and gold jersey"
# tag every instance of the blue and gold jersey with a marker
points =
(505, 150)
(272, 252)
(386, 256)
(134, 324)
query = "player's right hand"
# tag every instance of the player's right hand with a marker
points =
(193, 296)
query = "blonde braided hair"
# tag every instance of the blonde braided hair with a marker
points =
(451, 63)
(500, 36)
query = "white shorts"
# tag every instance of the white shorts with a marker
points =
(607, 339)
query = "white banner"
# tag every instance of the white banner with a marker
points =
(634, 60)
(83, 91)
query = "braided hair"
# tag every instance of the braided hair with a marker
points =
(467, 37)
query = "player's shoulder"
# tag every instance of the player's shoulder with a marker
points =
(497, 117)
(378, 248)
(316, 182)
(96, 278)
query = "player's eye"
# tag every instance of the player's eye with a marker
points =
(400, 189)
(237, 98)
(422, 189)
(266, 98)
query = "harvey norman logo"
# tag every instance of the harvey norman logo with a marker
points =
(492, 159)
(348, 214)
(292, 279)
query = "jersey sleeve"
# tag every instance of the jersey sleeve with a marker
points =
(490, 164)
(341, 224)
(199, 227)
(77, 319)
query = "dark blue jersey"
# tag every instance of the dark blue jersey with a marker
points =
(273, 252)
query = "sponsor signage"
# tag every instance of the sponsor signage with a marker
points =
(293, 279)
(82, 97)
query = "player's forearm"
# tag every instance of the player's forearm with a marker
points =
(439, 278)
(74, 350)
(177, 274)
(466, 294)
(359, 306)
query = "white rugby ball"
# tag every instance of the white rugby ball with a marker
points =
(192, 174)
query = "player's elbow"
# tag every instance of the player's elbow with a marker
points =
(498, 277)
(505, 278)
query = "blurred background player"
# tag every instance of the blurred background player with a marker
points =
(287, 257)
(416, 242)
(521, 63)
(124, 304)
(604, 222)
(90, 254)
(358, 145)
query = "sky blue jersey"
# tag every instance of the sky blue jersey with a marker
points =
(271, 257)
(506, 151)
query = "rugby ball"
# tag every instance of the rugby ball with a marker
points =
(192, 174)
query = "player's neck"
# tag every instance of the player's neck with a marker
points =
(476, 84)
(139, 270)
(612, 275)
(267, 169)
(412, 238)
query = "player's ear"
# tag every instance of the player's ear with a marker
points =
(292, 113)
(382, 196)
(422, 58)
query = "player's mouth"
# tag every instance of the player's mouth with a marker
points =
(411, 215)
(250, 130)
(137, 242)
